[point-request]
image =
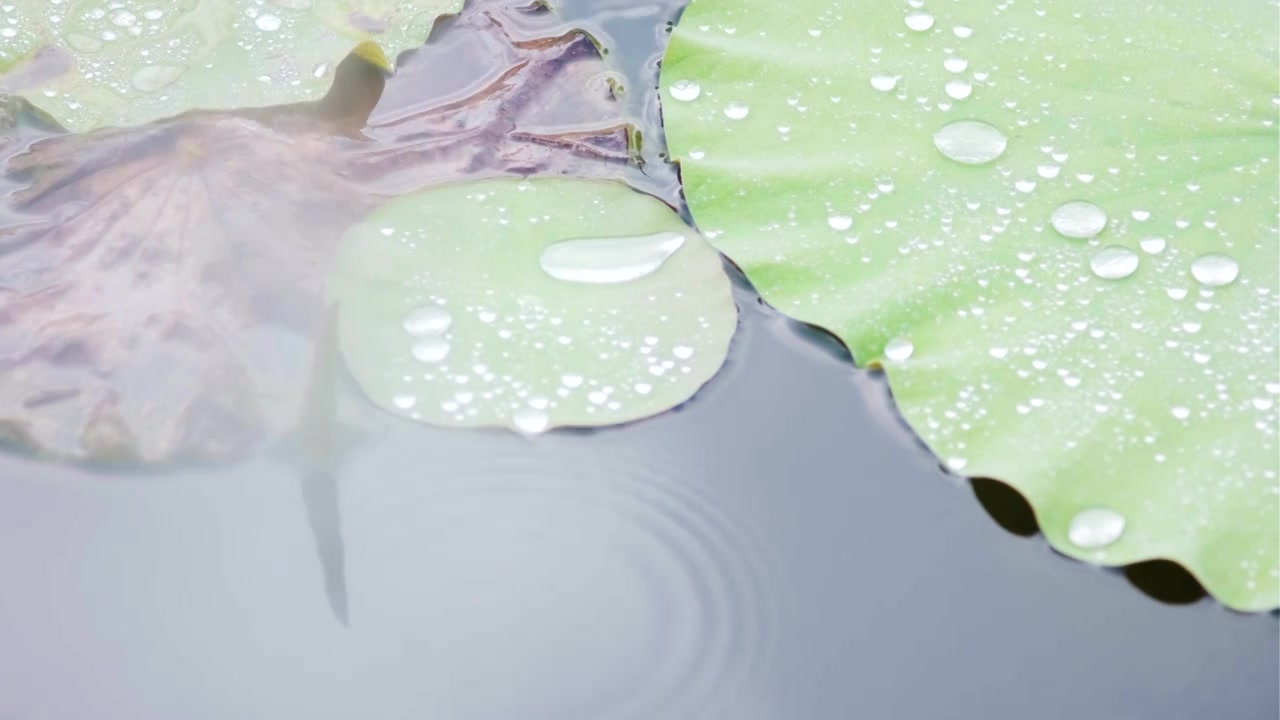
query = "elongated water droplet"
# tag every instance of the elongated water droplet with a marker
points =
(1114, 262)
(685, 90)
(428, 320)
(1215, 269)
(971, 142)
(955, 64)
(153, 77)
(919, 21)
(1095, 528)
(736, 111)
(1079, 220)
(898, 349)
(609, 260)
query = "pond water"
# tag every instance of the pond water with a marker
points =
(779, 547)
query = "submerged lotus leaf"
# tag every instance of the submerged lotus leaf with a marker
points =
(159, 287)
(92, 64)
(530, 304)
(1129, 392)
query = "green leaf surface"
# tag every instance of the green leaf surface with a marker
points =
(530, 304)
(133, 61)
(1135, 408)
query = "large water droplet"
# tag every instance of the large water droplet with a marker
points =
(1152, 245)
(898, 349)
(919, 21)
(971, 142)
(267, 22)
(530, 420)
(153, 77)
(958, 89)
(1079, 220)
(1114, 262)
(884, 83)
(428, 320)
(431, 349)
(1095, 528)
(609, 260)
(837, 221)
(1215, 269)
(685, 90)
(736, 111)
(955, 64)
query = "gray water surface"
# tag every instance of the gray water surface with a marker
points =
(778, 548)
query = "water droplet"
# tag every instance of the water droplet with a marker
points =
(736, 111)
(431, 349)
(685, 90)
(1048, 172)
(404, 401)
(1079, 220)
(839, 222)
(884, 83)
(955, 64)
(609, 260)
(971, 142)
(530, 420)
(958, 89)
(153, 77)
(898, 349)
(962, 31)
(428, 320)
(919, 21)
(1095, 528)
(1152, 245)
(1181, 413)
(1141, 215)
(83, 43)
(1215, 269)
(1114, 262)
(683, 352)
(267, 22)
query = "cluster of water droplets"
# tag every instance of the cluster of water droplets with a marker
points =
(1112, 261)
(542, 349)
(258, 52)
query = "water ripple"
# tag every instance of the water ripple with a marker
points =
(584, 583)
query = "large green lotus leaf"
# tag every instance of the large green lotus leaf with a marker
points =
(129, 62)
(530, 304)
(1134, 407)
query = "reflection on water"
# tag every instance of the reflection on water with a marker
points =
(656, 599)
(778, 548)
(772, 550)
